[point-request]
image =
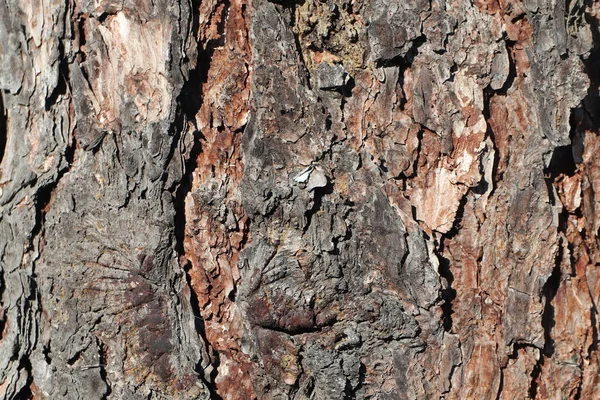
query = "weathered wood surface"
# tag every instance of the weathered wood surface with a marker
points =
(328, 199)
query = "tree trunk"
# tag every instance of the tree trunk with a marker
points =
(340, 199)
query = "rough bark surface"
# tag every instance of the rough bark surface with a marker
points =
(318, 199)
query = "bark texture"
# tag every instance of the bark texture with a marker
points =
(318, 199)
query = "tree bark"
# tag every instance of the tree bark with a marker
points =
(336, 199)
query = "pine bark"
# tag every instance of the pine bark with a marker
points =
(317, 199)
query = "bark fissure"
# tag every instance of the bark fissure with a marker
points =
(214, 360)
(3, 128)
(189, 102)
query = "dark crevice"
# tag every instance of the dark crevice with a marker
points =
(190, 99)
(81, 31)
(451, 374)
(328, 122)
(69, 155)
(453, 70)
(349, 393)
(457, 224)
(535, 375)
(80, 38)
(189, 102)
(549, 291)
(102, 362)
(309, 387)
(487, 98)
(587, 116)
(183, 189)
(63, 78)
(3, 128)
(102, 17)
(400, 83)
(406, 60)
(47, 352)
(25, 393)
(518, 17)
(362, 375)
(577, 395)
(500, 385)
(198, 320)
(44, 194)
(564, 159)
(481, 188)
(415, 164)
(512, 69)
(317, 202)
(216, 361)
(297, 331)
(516, 346)
(591, 103)
(594, 322)
(346, 89)
(488, 94)
(74, 358)
(214, 356)
(219, 41)
(448, 293)
(562, 162)
(550, 190)
(3, 324)
(574, 13)
(382, 166)
(25, 362)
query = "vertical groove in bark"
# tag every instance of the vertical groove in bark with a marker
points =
(3, 130)
(215, 227)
